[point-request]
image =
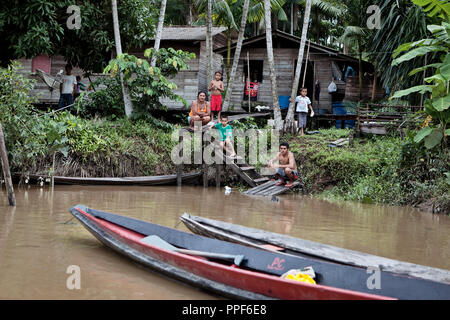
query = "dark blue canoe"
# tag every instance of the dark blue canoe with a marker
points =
(398, 279)
(258, 264)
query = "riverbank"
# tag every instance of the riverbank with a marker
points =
(380, 170)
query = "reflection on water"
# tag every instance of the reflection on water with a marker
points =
(39, 240)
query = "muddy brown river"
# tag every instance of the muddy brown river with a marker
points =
(39, 240)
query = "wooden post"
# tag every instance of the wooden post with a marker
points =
(306, 64)
(218, 170)
(180, 166)
(358, 121)
(374, 85)
(204, 165)
(248, 82)
(6, 172)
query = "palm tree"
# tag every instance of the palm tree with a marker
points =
(237, 54)
(159, 30)
(325, 14)
(273, 76)
(222, 14)
(181, 12)
(402, 23)
(290, 115)
(356, 33)
(209, 44)
(126, 95)
(256, 13)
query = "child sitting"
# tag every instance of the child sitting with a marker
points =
(225, 137)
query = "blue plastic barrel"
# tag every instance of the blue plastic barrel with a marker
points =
(284, 101)
(339, 110)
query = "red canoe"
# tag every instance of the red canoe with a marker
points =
(216, 275)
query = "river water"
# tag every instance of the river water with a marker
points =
(39, 240)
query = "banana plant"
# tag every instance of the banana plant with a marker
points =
(437, 107)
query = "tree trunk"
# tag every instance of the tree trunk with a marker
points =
(190, 17)
(360, 68)
(290, 123)
(292, 18)
(125, 92)
(228, 57)
(237, 54)
(295, 17)
(162, 12)
(374, 85)
(6, 172)
(209, 44)
(273, 76)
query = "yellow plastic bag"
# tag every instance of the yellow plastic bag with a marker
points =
(301, 277)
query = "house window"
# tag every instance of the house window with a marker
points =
(41, 62)
(256, 71)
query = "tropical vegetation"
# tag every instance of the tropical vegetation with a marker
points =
(113, 131)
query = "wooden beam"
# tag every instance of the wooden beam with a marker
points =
(180, 166)
(6, 171)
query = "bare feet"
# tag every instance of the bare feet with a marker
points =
(289, 185)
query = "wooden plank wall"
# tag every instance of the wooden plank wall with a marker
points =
(217, 66)
(41, 90)
(323, 73)
(285, 65)
(352, 89)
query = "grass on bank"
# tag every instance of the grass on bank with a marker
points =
(376, 169)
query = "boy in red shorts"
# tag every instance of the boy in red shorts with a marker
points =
(216, 88)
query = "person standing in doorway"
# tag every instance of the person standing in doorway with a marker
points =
(67, 88)
(216, 87)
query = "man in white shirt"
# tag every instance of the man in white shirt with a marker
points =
(302, 104)
(67, 88)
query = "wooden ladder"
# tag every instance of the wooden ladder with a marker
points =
(243, 170)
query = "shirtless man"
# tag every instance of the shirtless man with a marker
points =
(216, 88)
(287, 168)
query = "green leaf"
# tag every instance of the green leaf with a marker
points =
(433, 139)
(422, 134)
(421, 89)
(433, 65)
(445, 69)
(447, 180)
(442, 103)
(447, 132)
(435, 6)
(418, 52)
(437, 77)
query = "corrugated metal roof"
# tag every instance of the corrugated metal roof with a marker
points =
(188, 33)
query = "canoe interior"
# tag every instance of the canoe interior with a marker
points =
(236, 280)
(275, 263)
(255, 237)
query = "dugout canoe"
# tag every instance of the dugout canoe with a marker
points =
(143, 181)
(258, 274)
(266, 240)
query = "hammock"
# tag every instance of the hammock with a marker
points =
(50, 81)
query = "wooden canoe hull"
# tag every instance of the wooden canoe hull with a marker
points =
(217, 277)
(433, 282)
(142, 181)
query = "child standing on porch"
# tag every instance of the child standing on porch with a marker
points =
(216, 88)
(303, 103)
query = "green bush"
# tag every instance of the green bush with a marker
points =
(382, 169)
(106, 100)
